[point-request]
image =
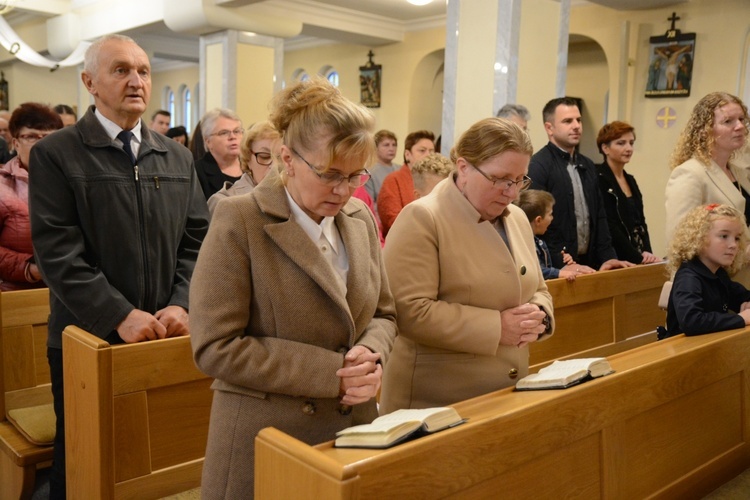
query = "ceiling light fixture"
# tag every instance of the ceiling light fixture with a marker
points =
(419, 2)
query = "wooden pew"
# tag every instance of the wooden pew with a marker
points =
(672, 422)
(24, 382)
(137, 417)
(602, 314)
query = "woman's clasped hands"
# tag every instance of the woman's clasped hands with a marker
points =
(360, 376)
(522, 325)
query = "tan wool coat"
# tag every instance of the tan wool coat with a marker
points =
(270, 325)
(451, 275)
(692, 184)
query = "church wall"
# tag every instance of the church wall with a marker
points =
(721, 26)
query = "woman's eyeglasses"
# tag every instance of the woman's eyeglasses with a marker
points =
(357, 179)
(224, 134)
(505, 184)
(263, 158)
(31, 139)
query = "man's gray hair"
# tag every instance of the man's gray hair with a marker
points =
(91, 59)
(510, 110)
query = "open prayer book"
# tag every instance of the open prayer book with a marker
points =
(563, 374)
(396, 427)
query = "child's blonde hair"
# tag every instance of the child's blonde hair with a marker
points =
(432, 164)
(690, 237)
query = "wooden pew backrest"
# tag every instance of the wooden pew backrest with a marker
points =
(138, 420)
(24, 382)
(671, 422)
(602, 314)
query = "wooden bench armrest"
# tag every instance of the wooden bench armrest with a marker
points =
(85, 337)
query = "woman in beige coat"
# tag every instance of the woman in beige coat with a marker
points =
(290, 307)
(463, 269)
(703, 164)
(703, 170)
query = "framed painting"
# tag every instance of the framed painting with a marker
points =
(370, 76)
(4, 99)
(670, 67)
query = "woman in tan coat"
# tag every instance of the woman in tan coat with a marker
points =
(703, 166)
(469, 291)
(704, 163)
(290, 306)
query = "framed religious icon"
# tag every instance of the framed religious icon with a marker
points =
(4, 102)
(670, 67)
(369, 83)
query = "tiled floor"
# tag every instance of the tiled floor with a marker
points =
(736, 489)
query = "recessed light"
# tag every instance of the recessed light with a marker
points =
(419, 2)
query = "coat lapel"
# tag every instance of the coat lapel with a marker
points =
(293, 241)
(723, 184)
(354, 235)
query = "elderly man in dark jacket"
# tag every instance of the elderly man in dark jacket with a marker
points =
(117, 218)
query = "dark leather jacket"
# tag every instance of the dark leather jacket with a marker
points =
(106, 239)
(620, 218)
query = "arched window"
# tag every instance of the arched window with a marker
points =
(331, 75)
(300, 75)
(195, 111)
(186, 107)
(170, 100)
(167, 102)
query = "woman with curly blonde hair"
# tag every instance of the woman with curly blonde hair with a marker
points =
(707, 247)
(703, 170)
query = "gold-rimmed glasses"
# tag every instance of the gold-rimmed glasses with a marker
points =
(505, 184)
(357, 179)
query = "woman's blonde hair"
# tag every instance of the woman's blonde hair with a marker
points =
(307, 110)
(697, 138)
(258, 131)
(690, 237)
(488, 138)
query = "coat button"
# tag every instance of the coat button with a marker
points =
(345, 409)
(308, 408)
(523, 270)
(513, 373)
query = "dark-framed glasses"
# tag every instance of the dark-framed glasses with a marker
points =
(357, 179)
(263, 158)
(30, 139)
(224, 134)
(505, 184)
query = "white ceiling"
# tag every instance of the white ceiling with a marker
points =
(363, 22)
(404, 11)
(637, 4)
(395, 9)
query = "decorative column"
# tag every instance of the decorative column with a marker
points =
(240, 71)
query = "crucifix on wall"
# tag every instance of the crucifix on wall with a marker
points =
(671, 57)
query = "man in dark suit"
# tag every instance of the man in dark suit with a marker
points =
(579, 226)
(117, 218)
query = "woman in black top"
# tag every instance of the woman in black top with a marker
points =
(623, 201)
